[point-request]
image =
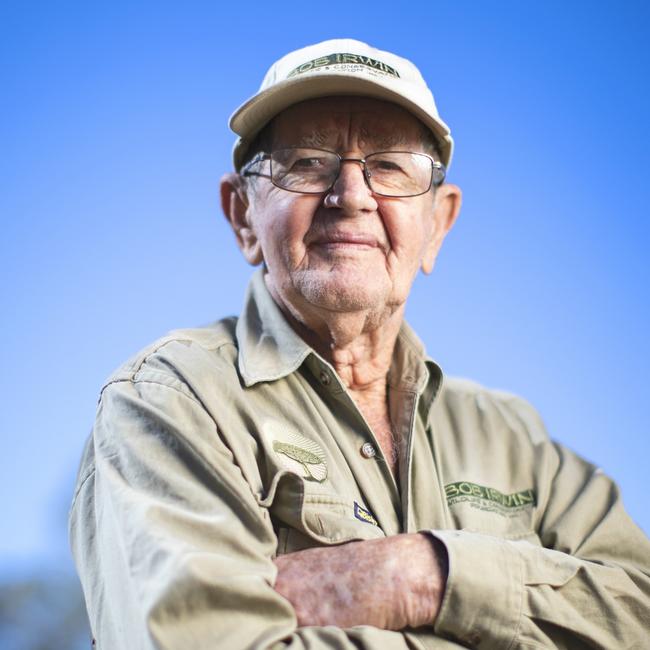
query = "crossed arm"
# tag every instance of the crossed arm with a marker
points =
(176, 553)
(390, 583)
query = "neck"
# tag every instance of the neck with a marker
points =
(358, 344)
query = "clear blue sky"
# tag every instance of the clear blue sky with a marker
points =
(114, 136)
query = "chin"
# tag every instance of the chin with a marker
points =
(333, 291)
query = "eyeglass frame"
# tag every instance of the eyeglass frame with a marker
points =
(261, 156)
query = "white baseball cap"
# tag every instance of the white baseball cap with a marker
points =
(338, 67)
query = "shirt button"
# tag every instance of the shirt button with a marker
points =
(368, 450)
(325, 378)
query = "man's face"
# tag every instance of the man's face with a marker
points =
(352, 250)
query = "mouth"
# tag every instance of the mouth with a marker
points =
(343, 241)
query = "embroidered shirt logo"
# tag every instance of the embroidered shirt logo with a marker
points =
(489, 499)
(351, 62)
(364, 515)
(297, 453)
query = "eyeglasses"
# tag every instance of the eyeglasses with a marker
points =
(314, 171)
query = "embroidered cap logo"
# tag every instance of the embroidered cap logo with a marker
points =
(343, 58)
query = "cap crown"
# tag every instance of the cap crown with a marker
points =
(338, 67)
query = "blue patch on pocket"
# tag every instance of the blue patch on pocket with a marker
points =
(364, 515)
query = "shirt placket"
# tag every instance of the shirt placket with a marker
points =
(403, 417)
(421, 493)
(360, 448)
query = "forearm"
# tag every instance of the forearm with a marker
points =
(390, 583)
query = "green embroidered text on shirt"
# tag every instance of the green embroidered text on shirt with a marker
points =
(464, 491)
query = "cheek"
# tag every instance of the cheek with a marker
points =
(409, 233)
(282, 223)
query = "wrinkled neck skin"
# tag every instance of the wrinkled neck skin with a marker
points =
(358, 344)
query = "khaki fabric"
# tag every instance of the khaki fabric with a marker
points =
(216, 449)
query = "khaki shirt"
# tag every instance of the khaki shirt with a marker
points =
(217, 449)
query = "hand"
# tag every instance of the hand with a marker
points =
(389, 583)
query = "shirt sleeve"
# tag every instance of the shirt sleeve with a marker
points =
(586, 586)
(172, 547)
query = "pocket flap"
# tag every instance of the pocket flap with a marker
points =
(324, 517)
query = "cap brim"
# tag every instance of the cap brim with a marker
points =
(249, 119)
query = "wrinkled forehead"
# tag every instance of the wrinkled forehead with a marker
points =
(335, 122)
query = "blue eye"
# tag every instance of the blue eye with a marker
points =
(308, 163)
(385, 165)
(388, 165)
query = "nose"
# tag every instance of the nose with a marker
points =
(350, 191)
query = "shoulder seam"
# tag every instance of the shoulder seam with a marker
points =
(133, 380)
(134, 370)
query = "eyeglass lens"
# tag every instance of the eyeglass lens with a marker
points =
(391, 173)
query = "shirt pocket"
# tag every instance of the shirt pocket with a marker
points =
(510, 528)
(478, 509)
(306, 515)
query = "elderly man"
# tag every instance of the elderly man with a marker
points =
(303, 476)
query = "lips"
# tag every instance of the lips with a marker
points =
(346, 239)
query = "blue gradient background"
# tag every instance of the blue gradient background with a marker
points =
(114, 136)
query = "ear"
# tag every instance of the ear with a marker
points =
(445, 211)
(236, 208)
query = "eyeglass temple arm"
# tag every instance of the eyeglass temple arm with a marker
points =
(261, 156)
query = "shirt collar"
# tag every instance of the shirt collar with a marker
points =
(268, 346)
(270, 349)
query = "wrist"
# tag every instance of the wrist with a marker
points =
(429, 579)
